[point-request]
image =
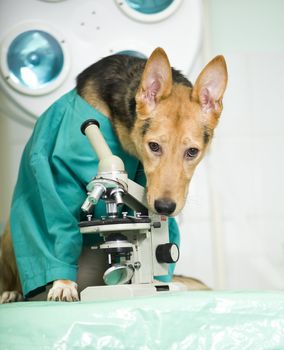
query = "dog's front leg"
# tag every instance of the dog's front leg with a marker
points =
(63, 290)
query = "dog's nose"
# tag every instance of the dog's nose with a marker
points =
(164, 206)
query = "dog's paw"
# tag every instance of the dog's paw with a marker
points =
(10, 297)
(63, 290)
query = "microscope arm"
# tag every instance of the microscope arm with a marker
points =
(135, 197)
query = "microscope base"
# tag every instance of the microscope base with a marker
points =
(129, 290)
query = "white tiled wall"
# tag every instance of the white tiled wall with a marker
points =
(253, 169)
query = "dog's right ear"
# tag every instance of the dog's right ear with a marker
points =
(156, 82)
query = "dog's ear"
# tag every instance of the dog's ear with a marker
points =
(156, 82)
(210, 86)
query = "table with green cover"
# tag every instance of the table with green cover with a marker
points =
(236, 320)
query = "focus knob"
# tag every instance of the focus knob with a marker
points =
(167, 253)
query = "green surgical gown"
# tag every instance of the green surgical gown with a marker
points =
(57, 164)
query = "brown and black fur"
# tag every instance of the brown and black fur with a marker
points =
(116, 80)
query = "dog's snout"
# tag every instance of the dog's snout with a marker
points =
(164, 206)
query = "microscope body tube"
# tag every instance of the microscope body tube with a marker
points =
(108, 162)
(97, 141)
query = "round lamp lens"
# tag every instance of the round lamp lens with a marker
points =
(149, 7)
(35, 59)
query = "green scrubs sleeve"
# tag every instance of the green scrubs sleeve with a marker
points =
(39, 216)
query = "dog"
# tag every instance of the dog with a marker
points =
(160, 118)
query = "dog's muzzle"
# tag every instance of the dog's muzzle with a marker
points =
(164, 206)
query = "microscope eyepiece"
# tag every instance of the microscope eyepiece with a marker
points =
(87, 123)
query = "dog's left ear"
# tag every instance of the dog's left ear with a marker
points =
(156, 82)
(210, 86)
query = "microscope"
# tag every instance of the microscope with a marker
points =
(135, 242)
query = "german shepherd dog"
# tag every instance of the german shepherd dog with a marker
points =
(160, 118)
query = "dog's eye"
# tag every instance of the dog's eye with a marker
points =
(155, 147)
(191, 153)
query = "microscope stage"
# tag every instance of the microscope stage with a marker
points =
(115, 224)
